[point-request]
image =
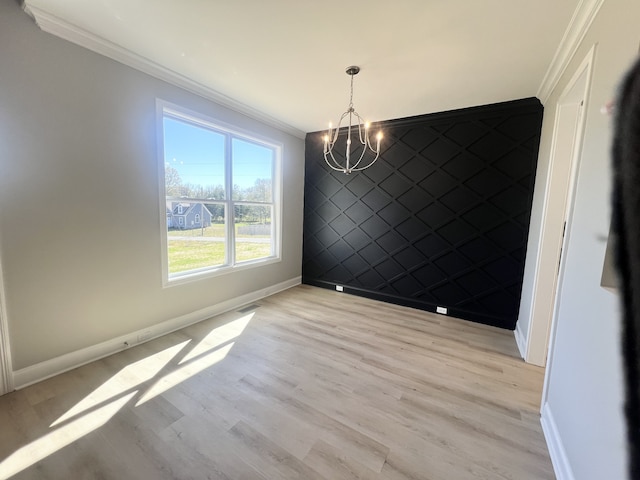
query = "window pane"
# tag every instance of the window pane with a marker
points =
(193, 160)
(193, 245)
(216, 180)
(252, 167)
(253, 232)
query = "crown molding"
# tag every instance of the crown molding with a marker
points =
(580, 22)
(56, 26)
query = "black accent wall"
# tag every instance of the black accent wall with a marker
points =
(441, 219)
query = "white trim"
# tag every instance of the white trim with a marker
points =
(579, 24)
(549, 249)
(49, 368)
(56, 26)
(559, 459)
(585, 68)
(6, 373)
(521, 341)
(162, 197)
(200, 274)
(541, 313)
(163, 109)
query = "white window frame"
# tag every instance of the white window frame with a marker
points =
(230, 131)
(6, 367)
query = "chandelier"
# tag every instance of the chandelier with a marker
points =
(353, 160)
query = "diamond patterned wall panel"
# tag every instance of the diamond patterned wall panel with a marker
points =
(440, 220)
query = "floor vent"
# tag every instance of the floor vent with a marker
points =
(248, 308)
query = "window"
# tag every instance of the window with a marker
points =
(229, 181)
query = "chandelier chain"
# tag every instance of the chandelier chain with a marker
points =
(351, 96)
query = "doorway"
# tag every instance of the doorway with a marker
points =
(556, 215)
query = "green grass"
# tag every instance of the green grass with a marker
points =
(187, 255)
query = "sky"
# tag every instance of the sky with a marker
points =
(198, 155)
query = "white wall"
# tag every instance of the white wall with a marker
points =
(583, 406)
(79, 197)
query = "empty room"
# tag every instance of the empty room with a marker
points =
(300, 240)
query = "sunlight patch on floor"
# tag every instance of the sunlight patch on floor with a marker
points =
(129, 377)
(98, 407)
(184, 372)
(219, 336)
(209, 351)
(61, 437)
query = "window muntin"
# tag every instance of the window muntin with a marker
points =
(202, 162)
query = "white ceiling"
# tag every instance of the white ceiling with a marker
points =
(286, 59)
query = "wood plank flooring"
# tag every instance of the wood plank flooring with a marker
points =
(306, 384)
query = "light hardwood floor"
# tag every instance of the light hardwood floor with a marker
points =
(306, 384)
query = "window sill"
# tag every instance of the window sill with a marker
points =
(207, 273)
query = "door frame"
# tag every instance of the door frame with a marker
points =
(547, 281)
(6, 370)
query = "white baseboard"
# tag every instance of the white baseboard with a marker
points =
(49, 368)
(521, 341)
(558, 455)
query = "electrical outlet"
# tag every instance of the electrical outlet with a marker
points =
(442, 310)
(143, 337)
(339, 288)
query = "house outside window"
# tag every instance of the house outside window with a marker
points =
(223, 185)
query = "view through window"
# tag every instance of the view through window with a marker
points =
(219, 194)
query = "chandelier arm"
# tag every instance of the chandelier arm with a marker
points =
(377, 149)
(362, 154)
(367, 166)
(338, 167)
(337, 130)
(333, 159)
(355, 166)
(360, 122)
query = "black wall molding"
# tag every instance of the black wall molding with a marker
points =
(440, 220)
